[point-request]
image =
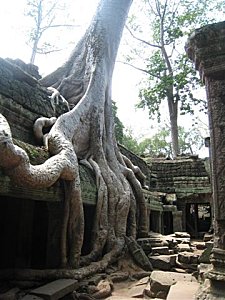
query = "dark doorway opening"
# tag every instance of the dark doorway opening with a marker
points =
(39, 235)
(23, 233)
(89, 215)
(167, 222)
(198, 219)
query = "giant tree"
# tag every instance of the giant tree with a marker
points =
(86, 134)
(161, 28)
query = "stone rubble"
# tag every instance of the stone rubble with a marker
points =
(178, 267)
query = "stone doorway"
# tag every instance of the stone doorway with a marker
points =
(198, 219)
(23, 233)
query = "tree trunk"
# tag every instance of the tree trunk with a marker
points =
(86, 133)
(173, 112)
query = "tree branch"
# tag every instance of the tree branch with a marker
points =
(58, 25)
(139, 69)
(141, 40)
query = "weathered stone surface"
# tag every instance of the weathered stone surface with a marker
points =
(199, 245)
(187, 258)
(202, 270)
(10, 294)
(182, 177)
(55, 289)
(160, 282)
(23, 99)
(163, 262)
(184, 247)
(32, 297)
(160, 250)
(183, 290)
(182, 235)
(207, 237)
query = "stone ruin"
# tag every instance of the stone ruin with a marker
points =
(179, 197)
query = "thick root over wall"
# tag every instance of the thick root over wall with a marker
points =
(86, 133)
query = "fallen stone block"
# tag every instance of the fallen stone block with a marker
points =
(184, 247)
(182, 234)
(207, 237)
(10, 294)
(163, 262)
(55, 289)
(183, 290)
(179, 270)
(199, 245)
(160, 250)
(187, 258)
(160, 282)
(190, 268)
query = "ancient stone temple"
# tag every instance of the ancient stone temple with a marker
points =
(206, 47)
(31, 218)
(177, 193)
(184, 186)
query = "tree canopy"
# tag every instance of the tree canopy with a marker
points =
(160, 29)
(191, 142)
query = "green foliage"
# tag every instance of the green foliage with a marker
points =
(130, 142)
(191, 142)
(170, 75)
(119, 127)
(159, 144)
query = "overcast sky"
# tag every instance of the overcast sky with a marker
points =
(13, 29)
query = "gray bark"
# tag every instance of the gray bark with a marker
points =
(86, 133)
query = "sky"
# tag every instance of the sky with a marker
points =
(13, 31)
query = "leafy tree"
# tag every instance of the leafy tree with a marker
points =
(157, 145)
(170, 75)
(130, 142)
(45, 15)
(86, 133)
(119, 127)
(190, 142)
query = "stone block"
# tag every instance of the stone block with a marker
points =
(160, 250)
(187, 258)
(182, 234)
(183, 290)
(160, 282)
(183, 247)
(163, 262)
(207, 237)
(55, 289)
(10, 294)
(32, 297)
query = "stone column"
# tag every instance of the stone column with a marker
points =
(177, 220)
(206, 47)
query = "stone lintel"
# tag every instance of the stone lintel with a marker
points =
(206, 48)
